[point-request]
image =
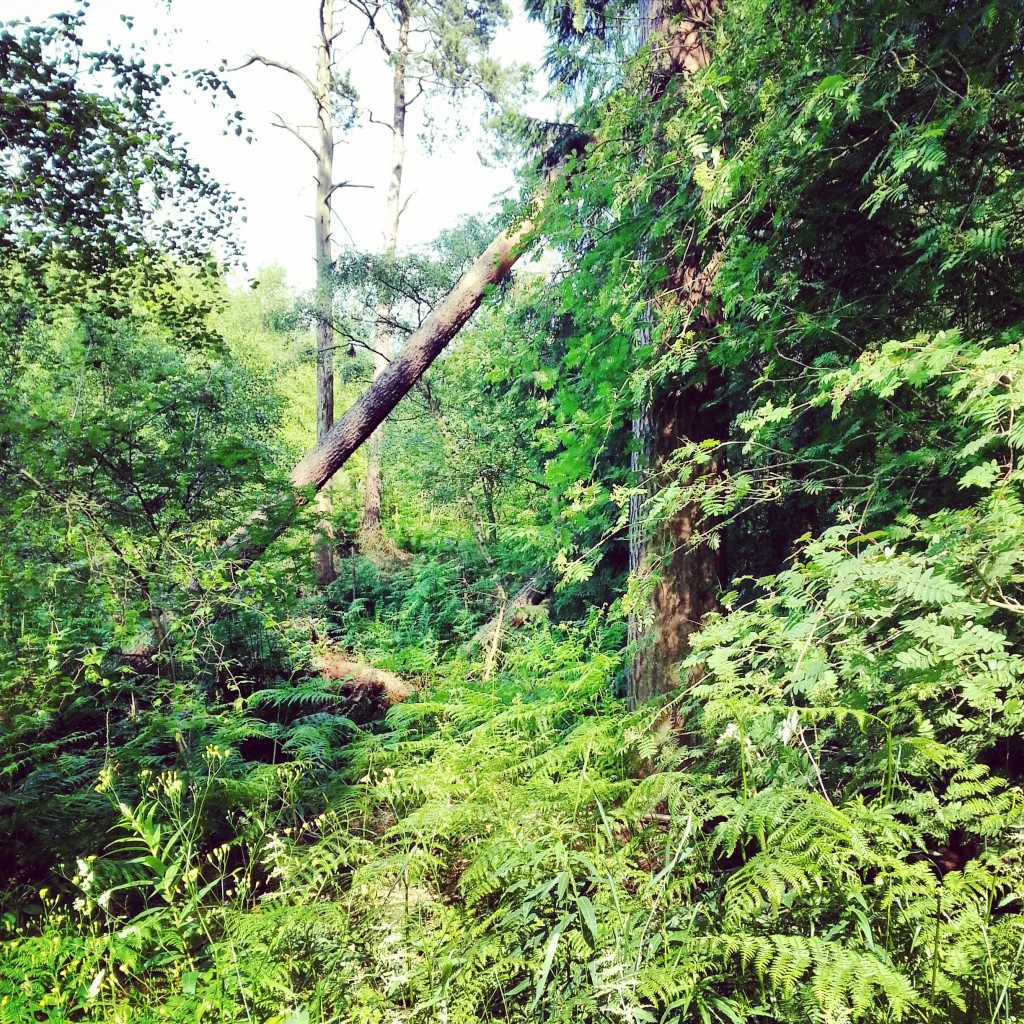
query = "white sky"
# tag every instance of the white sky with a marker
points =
(273, 176)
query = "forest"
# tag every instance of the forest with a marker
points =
(611, 611)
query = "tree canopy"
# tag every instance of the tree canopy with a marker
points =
(92, 174)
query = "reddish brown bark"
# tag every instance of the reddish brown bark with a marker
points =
(688, 571)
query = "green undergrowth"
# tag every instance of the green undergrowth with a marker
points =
(411, 616)
(801, 841)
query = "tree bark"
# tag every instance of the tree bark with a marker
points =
(322, 147)
(689, 572)
(419, 352)
(323, 546)
(378, 400)
(371, 537)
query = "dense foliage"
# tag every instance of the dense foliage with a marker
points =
(206, 814)
(92, 173)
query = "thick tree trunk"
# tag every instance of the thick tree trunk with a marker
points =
(371, 537)
(688, 587)
(688, 570)
(377, 401)
(323, 545)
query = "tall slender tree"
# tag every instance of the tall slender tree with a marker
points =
(675, 32)
(328, 89)
(669, 280)
(372, 536)
(435, 52)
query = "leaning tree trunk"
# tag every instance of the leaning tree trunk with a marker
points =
(377, 401)
(371, 534)
(408, 367)
(323, 545)
(688, 571)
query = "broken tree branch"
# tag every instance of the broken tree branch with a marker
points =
(529, 595)
(281, 65)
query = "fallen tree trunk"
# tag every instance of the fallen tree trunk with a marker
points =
(336, 447)
(337, 666)
(529, 595)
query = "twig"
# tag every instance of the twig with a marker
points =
(492, 653)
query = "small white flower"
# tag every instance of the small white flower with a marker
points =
(790, 727)
(732, 732)
(94, 988)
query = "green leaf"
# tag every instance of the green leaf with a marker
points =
(983, 476)
(586, 909)
(549, 957)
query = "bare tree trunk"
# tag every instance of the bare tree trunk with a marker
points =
(372, 538)
(689, 586)
(323, 547)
